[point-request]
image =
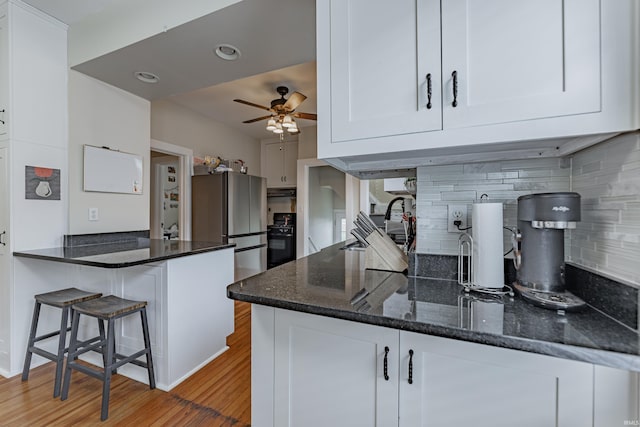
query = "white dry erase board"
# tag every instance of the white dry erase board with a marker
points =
(111, 171)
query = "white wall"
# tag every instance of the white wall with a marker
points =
(308, 143)
(126, 22)
(178, 125)
(102, 115)
(326, 195)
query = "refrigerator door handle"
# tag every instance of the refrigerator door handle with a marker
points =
(250, 248)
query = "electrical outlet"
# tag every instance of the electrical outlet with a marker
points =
(456, 213)
(93, 214)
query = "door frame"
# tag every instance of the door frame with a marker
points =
(185, 161)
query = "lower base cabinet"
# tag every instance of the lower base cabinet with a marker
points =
(461, 383)
(328, 371)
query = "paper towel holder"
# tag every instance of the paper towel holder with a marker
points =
(466, 241)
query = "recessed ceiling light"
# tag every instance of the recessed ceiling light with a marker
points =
(227, 52)
(146, 77)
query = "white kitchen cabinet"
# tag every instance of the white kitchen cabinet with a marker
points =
(4, 70)
(280, 166)
(33, 132)
(33, 62)
(520, 60)
(5, 265)
(461, 383)
(332, 373)
(384, 58)
(316, 371)
(616, 397)
(523, 71)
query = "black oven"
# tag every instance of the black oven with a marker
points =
(281, 239)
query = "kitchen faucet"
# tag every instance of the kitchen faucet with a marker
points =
(387, 215)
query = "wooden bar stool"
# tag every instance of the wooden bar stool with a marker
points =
(63, 299)
(109, 309)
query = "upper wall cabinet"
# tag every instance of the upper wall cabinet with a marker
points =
(33, 62)
(280, 164)
(402, 83)
(385, 68)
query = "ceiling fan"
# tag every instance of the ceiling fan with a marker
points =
(282, 111)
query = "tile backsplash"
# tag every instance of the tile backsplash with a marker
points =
(504, 182)
(607, 176)
(607, 239)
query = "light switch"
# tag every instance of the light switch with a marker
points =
(93, 214)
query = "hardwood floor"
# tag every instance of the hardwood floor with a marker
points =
(217, 395)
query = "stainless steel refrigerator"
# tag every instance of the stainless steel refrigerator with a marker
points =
(231, 207)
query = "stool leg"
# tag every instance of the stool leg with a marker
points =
(61, 345)
(73, 347)
(147, 346)
(103, 338)
(106, 386)
(32, 336)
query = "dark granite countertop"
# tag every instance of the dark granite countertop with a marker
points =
(123, 254)
(334, 283)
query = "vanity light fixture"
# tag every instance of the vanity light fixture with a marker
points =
(146, 77)
(227, 52)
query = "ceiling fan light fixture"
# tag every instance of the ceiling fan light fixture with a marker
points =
(278, 128)
(227, 52)
(271, 125)
(287, 121)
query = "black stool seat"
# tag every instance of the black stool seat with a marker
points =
(63, 299)
(106, 309)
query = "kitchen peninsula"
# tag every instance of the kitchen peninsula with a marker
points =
(182, 281)
(335, 343)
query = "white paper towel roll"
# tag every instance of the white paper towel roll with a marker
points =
(488, 250)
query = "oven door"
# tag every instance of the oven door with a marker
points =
(280, 248)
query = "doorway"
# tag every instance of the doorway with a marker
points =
(171, 170)
(328, 202)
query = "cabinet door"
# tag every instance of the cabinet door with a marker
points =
(273, 162)
(461, 383)
(381, 54)
(4, 71)
(519, 60)
(330, 372)
(290, 164)
(5, 254)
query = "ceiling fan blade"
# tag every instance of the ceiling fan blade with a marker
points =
(257, 119)
(241, 101)
(307, 116)
(294, 100)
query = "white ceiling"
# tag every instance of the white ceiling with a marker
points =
(276, 39)
(72, 11)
